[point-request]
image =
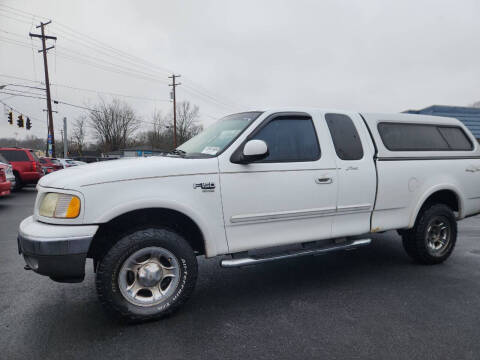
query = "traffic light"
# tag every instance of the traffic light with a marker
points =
(20, 121)
(28, 124)
(10, 117)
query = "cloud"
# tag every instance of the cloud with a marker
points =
(360, 55)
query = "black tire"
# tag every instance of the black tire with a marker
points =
(109, 269)
(417, 241)
(18, 183)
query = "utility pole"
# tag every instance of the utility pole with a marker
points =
(65, 147)
(173, 95)
(48, 131)
(51, 137)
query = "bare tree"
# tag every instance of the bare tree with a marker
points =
(160, 136)
(156, 135)
(187, 121)
(476, 104)
(79, 133)
(113, 124)
(30, 141)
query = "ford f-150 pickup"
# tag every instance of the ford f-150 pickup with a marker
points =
(254, 187)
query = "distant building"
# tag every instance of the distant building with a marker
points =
(469, 116)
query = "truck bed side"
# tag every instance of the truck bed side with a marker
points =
(406, 179)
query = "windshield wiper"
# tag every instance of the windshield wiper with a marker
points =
(178, 152)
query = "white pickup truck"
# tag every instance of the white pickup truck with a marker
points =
(246, 187)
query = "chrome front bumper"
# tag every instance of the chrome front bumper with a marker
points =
(57, 251)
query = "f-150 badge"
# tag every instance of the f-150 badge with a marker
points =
(208, 186)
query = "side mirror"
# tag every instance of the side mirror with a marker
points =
(254, 150)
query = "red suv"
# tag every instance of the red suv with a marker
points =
(26, 168)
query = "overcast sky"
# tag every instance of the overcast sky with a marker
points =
(368, 55)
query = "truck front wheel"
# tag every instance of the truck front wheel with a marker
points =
(432, 239)
(147, 275)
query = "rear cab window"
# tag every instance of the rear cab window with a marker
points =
(345, 137)
(423, 137)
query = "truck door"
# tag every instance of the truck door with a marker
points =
(288, 197)
(356, 173)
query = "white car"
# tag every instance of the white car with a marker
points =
(317, 180)
(66, 163)
(9, 173)
(78, 162)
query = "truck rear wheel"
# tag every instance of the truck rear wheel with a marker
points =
(147, 275)
(432, 239)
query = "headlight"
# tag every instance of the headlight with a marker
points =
(60, 206)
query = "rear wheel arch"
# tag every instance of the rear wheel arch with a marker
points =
(111, 232)
(446, 195)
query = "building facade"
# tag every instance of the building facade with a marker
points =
(469, 116)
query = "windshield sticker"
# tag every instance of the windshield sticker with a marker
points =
(210, 150)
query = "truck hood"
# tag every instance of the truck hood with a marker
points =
(127, 170)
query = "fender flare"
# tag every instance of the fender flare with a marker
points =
(430, 192)
(152, 203)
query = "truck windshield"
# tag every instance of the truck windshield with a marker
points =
(218, 136)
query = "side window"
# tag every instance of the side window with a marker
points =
(15, 155)
(290, 139)
(345, 137)
(423, 137)
(456, 138)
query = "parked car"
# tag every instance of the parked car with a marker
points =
(66, 163)
(78, 162)
(25, 164)
(5, 185)
(8, 171)
(50, 164)
(317, 181)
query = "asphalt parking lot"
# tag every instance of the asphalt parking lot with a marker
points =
(369, 303)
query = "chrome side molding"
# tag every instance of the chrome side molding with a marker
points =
(251, 260)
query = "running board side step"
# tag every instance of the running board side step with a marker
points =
(318, 251)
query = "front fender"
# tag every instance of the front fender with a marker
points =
(105, 202)
(152, 203)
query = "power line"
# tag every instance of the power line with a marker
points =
(187, 88)
(87, 90)
(20, 78)
(21, 95)
(114, 68)
(104, 48)
(110, 93)
(25, 86)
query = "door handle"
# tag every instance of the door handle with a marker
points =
(324, 180)
(352, 168)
